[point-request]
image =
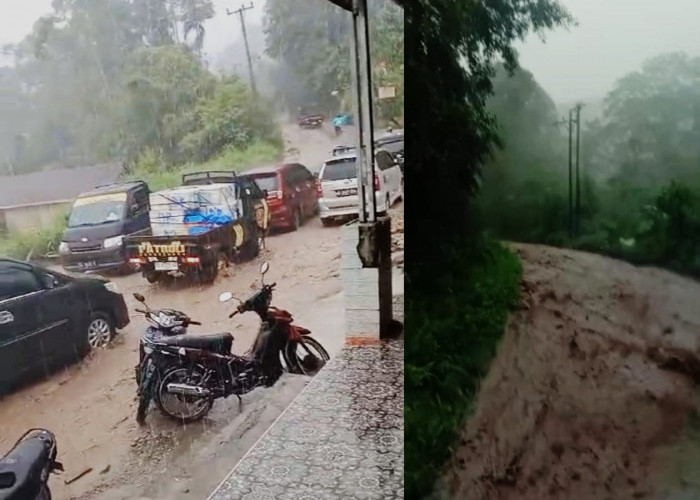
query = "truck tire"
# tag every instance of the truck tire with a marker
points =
(251, 248)
(152, 277)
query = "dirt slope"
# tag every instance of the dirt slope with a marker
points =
(593, 392)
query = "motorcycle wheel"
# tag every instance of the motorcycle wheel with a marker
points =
(305, 357)
(193, 407)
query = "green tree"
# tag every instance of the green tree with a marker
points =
(650, 130)
(452, 49)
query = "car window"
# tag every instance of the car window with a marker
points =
(305, 174)
(342, 168)
(384, 160)
(393, 146)
(15, 282)
(267, 181)
(141, 201)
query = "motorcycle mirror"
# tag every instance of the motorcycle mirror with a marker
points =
(264, 268)
(225, 297)
(140, 297)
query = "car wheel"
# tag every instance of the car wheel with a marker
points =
(298, 219)
(100, 330)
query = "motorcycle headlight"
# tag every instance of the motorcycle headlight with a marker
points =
(147, 350)
(63, 247)
(112, 287)
(113, 242)
(165, 320)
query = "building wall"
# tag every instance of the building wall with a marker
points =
(33, 217)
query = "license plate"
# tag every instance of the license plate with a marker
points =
(166, 266)
(87, 265)
(346, 192)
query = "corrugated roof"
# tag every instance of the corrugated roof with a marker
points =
(54, 185)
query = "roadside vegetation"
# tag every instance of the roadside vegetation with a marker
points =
(460, 281)
(640, 188)
(454, 337)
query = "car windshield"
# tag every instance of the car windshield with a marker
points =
(393, 146)
(267, 182)
(97, 210)
(340, 169)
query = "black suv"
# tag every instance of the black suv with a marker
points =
(49, 320)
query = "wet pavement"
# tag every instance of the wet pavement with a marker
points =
(341, 438)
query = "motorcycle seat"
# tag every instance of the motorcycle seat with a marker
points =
(216, 342)
(20, 470)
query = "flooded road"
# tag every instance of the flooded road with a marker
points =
(91, 406)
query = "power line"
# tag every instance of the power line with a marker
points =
(240, 12)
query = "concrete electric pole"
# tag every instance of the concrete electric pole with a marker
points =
(245, 41)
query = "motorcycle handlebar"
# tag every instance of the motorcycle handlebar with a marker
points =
(141, 311)
(233, 314)
(194, 322)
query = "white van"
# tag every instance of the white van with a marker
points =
(337, 185)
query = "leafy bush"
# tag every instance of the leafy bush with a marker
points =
(453, 340)
(151, 167)
(36, 244)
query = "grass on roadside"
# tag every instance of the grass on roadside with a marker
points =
(453, 340)
(158, 175)
(37, 243)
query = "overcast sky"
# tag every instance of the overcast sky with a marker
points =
(222, 30)
(613, 38)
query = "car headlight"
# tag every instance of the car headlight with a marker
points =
(63, 247)
(113, 242)
(112, 287)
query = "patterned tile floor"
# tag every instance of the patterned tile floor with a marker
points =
(342, 438)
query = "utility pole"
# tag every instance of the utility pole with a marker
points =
(571, 199)
(245, 40)
(578, 179)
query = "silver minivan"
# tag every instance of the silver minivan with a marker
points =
(338, 185)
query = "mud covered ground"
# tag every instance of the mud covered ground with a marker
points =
(593, 393)
(91, 406)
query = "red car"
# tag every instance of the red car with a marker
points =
(291, 193)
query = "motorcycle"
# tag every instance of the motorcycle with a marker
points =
(183, 374)
(163, 323)
(25, 469)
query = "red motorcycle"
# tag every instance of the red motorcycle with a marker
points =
(184, 374)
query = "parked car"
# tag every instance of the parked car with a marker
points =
(337, 185)
(48, 319)
(99, 222)
(291, 193)
(309, 120)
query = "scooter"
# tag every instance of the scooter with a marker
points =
(25, 470)
(184, 374)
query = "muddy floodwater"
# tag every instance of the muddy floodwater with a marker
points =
(593, 393)
(91, 406)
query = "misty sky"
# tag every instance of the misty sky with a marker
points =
(222, 30)
(613, 38)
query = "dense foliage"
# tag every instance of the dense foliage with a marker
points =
(311, 42)
(453, 339)
(105, 80)
(460, 283)
(641, 186)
